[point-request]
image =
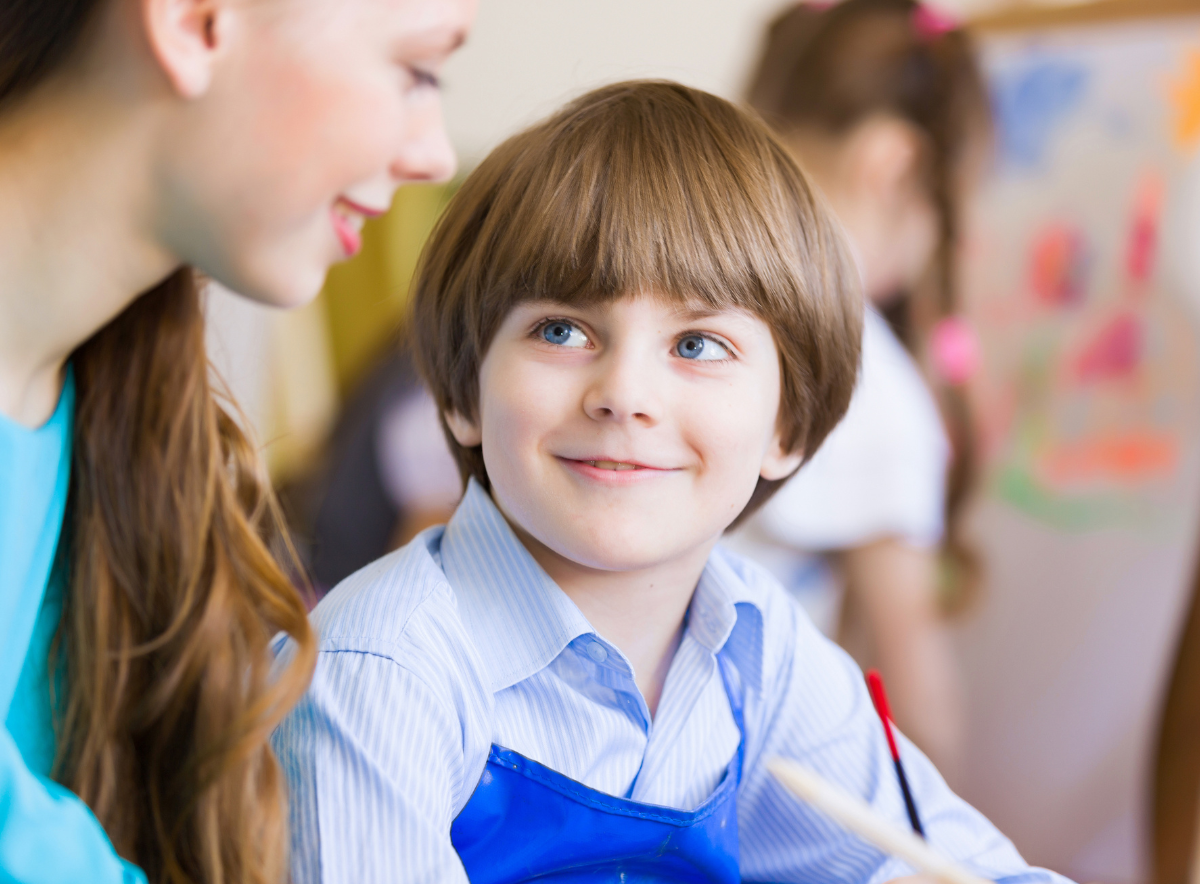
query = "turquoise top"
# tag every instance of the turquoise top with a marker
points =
(47, 835)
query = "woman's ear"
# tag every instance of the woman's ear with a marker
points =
(186, 37)
(466, 432)
(779, 464)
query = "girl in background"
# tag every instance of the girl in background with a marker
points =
(884, 105)
(138, 589)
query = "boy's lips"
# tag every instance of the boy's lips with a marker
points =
(611, 469)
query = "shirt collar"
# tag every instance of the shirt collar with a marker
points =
(727, 614)
(712, 613)
(521, 620)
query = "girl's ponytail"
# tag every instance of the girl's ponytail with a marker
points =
(828, 66)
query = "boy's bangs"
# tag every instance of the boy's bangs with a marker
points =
(651, 198)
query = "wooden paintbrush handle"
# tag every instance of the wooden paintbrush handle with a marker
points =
(856, 816)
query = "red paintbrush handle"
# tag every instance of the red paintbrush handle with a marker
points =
(879, 698)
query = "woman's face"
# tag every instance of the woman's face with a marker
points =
(316, 111)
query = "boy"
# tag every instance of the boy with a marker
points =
(637, 322)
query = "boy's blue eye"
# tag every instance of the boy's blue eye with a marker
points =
(564, 334)
(701, 349)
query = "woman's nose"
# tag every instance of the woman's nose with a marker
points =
(426, 153)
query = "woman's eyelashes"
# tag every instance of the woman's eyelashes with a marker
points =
(422, 78)
(702, 348)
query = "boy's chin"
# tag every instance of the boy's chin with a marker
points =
(621, 550)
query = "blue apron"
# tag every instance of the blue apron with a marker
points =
(526, 821)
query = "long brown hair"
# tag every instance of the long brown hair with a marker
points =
(643, 186)
(174, 591)
(826, 67)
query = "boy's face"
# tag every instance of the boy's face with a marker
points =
(625, 435)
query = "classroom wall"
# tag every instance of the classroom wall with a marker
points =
(525, 57)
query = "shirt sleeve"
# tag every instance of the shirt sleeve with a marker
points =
(819, 713)
(375, 763)
(48, 835)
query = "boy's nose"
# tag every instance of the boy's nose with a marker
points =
(624, 390)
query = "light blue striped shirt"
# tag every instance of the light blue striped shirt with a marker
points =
(460, 640)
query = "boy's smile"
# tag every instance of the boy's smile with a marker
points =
(602, 469)
(626, 435)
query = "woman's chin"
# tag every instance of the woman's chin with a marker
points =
(292, 286)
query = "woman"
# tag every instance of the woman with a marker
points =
(140, 139)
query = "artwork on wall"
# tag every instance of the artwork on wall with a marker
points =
(1082, 274)
(1092, 375)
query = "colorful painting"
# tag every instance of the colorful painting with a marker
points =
(1082, 276)
(1090, 386)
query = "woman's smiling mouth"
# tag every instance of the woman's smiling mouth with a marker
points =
(348, 218)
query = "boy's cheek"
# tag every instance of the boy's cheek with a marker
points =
(737, 438)
(525, 400)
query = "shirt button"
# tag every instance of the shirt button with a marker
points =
(596, 652)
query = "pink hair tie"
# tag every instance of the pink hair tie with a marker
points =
(954, 349)
(931, 23)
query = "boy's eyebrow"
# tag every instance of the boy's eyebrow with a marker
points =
(688, 311)
(693, 312)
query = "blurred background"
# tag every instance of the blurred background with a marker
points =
(1080, 276)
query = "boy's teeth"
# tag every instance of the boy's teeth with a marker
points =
(611, 465)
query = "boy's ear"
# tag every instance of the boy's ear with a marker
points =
(186, 37)
(779, 464)
(466, 431)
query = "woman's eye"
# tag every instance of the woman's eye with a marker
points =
(419, 78)
(426, 78)
(701, 348)
(564, 334)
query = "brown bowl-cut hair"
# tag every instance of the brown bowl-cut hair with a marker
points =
(643, 187)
